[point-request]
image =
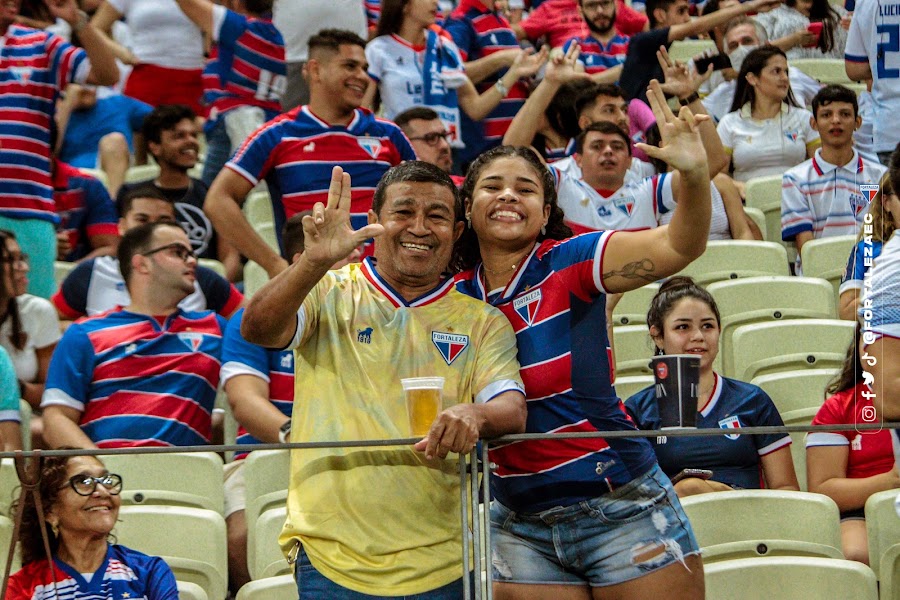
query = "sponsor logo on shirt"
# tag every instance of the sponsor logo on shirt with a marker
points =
(364, 336)
(287, 360)
(731, 423)
(527, 306)
(450, 345)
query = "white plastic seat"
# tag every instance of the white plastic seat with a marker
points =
(267, 559)
(795, 390)
(790, 578)
(266, 477)
(61, 270)
(212, 264)
(824, 70)
(827, 258)
(629, 386)
(190, 591)
(731, 259)
(9, 485)
(883, 528)
(254, 278)
(140, 173)
(272, 588)
(685, 50)
(632, 307)
(633, 350)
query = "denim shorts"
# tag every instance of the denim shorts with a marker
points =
(630, 532)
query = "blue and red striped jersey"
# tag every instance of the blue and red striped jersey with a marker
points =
(140, 380)
(296, 152)
(84, 207)
(34, 67)
(557, 307)
(597, 57)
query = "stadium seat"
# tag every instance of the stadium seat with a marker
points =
(754, 523)
(9, 485)
(883, 527)
(192, 541)
(190, 479)
(254, 278)
(764, 194)
(827, 258)
(759, 218)
(25, 424)
(795, 390)
(825, 70)
(61, 270)
(6, 531)
(267, 559)
(141, 173)
(760, 299)
(685, 50)
(792, 344)
(632, 306)
(789, 578)
(272, 588)
(266, 476)
(731, 259)
(258, 208)
(212, 264)
(190, 591)
(633, 350)
(629, 386)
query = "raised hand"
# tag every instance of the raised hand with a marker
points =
(67, 10)
(681, 147)
(328, 235)
(762, 6)
(680, 80)
(526, 65)
(563, 68)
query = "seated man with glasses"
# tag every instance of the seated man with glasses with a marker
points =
(145, 374)
(429, 138)
(96, 285)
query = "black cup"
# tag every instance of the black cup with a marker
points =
(677, 387)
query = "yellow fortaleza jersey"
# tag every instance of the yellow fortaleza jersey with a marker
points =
(382, 521)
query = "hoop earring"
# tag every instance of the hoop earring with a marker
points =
(469, 220)
(544, 229)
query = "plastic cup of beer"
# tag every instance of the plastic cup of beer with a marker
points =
(423, 402)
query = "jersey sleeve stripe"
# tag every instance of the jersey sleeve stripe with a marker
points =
(496, 388)
(234, 368)
(776, 445)
(824, 438)
(57, 397)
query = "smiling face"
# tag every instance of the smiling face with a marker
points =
(420, 228)
(690, 328)
(836, 122)
(340, 76)
(507, 207)
(178, 147)
(772, 81)
(79, 517)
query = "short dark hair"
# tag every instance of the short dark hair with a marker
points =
(601, 127)
(136, 241)
(292, 236)
(333, 39)
(652, 5)
(164, 117)
(834, 93)
(416, 171)
(416, 112)
(142, 192)
(588, 97)
(258, 7)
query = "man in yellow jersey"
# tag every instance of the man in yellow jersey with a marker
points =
(384, 522)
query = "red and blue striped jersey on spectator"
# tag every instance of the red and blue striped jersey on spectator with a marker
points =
(479, 32)
(296, 152)
(275, 367)
(140, 380)
(556, 305)
(124, 573)
(373, 13)
(34, 67)
(597, 57)
(84, 208)
(248, 67)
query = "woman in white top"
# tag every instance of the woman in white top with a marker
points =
(790, 21)
(167, 51)
(766, 132)
(413, 62)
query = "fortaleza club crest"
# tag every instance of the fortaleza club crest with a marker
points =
(191, 340)
(527, 306)
(868, 190)
(450, 345)
(731, 423)
(371, 145)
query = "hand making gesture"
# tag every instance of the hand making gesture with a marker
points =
(328, 235)
(680, 80)
(563, 68)
(681, 147)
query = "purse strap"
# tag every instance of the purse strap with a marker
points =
(29, 474)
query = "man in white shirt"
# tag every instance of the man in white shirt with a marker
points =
(824, 196)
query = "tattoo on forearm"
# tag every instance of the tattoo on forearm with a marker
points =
(640, 269)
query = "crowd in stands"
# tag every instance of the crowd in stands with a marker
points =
(465, 177)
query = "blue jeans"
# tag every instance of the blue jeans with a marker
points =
(630, 532)
(312, 585)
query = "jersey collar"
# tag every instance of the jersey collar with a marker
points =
(747, 110)
(714, 397)
(822, 166)
(370, 272)
(321, 122)
(467, 5)
(511, 287)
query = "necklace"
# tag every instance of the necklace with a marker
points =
(499, 271)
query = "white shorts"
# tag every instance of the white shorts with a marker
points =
(235, 489)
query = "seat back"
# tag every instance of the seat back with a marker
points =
(629, 386)
(810, 523)
(272, 588)
(763, 348)
(213, 265)
(633, 350)
(759, 219)
(825, 70)
(731, 259)
(632, 306)
(6, 531)
(192, 541)
(827, 258)
(25, 424)
(61, 270)
(266, 476)
(254, 278)
(140, 173)
(9, 486)
(789, 578)
(685, 50)
(759, 299)
(190, 591)
(883, 527)
(267, 559)
(764, 194)
(181, 479)
(793, 390)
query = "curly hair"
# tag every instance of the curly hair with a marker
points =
(53, 479)
(467, 252)
(10, 307)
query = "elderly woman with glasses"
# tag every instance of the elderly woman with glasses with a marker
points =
(80, 501)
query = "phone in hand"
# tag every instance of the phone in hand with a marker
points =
(703, 474)
(718, 61)
(816, 30)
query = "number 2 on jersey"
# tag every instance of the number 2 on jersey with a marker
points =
(892, 44)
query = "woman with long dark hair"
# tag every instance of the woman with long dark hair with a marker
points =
(850, 466)
(790, 21)
(80, 501)
(413, 62)
(766, 132)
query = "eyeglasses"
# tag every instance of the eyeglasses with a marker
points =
(84, 485)
(20, 260)
(179, 250)
(433, 138)
(595, 6)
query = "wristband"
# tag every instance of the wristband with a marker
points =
(284, 432)
(501, 87)
(690, 99)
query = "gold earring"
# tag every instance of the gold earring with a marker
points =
(54, 527)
